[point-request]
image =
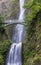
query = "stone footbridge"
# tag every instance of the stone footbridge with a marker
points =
(10, 22)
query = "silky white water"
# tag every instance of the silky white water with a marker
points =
(22, 10)
(15, 53)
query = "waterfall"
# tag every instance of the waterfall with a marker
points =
(22, 10)
(15, 53)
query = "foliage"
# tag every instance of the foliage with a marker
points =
(35, 8)
(1, 60)
(32, 53)
(4, 42)
(2, 29)
(4, 47)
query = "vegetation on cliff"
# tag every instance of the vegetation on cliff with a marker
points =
(32, 43)
(4, 42)
(32, 46)
(14, 13)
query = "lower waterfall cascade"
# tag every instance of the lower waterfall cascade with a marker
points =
(15, 53)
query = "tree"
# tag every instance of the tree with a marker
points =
(32, 47)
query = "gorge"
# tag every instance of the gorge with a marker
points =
(20, 46)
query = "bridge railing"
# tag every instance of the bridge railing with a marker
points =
(10, 22)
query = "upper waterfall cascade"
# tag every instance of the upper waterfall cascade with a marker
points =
(22, 10)
(15, 54)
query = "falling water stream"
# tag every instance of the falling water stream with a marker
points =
(15, 53)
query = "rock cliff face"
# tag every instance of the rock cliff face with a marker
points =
(9, 8)
(4, 5)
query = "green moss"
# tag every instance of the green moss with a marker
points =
(32, 45)
(1, 60)
(4, 42)
(4, 47)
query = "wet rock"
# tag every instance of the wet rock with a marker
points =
(9, 9)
